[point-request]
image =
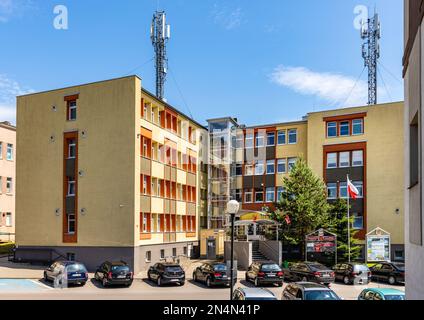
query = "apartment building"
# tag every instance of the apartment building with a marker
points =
(414, 88)
(365, 143)
(7, 181)
(107, 172)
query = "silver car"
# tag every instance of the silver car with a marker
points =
(308, 291)
(244, 294)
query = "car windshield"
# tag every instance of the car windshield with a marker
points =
(270, 267)
(394, 297)
(361, 267)
(315, 267)
(220, 267)
(321, 295)
(76, 268)
(173, 269)
(120, 268)
(399, 266)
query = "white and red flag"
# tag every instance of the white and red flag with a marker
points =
(352, 190)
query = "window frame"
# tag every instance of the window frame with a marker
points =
(353, 158)
(283, 162)
(342, 126)
(246, 193)
(272, 136)
(71, 183)
(336, 157)
(342, 185)
(259, 164)
(340, 159)
(335, 127)
(268, 164)
(293, 163)
(290, 133)
(258, 193)
(250, 137)
(361, 120)
(333, 186)
(260, 136)
(9, 147)
(69, 220)
(267, 192)
(279, 134)
(9, 189)
(71, 108)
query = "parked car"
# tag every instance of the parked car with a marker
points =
(166, 273)
(244, 294)
(114, 273)
(265, 273)
(70, 271)
(392, 272)
(308, 291)
(352, 273)
(213, 274)
(381, 294)
(309, 272)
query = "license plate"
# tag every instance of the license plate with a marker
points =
(271, 274)
(174, 280)
(121, 277)
(76, 275)
(325, 275)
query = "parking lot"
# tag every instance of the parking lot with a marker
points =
(142, 289)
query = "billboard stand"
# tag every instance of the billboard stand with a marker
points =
(378, 246)
(321, 243)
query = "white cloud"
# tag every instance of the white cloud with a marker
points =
(12, 8)
(9, 89)
(228, 18)
(333, 88)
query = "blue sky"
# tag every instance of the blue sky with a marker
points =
(260, 61)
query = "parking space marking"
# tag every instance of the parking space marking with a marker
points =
(44, 286)
(21, 285)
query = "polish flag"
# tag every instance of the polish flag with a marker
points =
(287, 218)
(352, 190)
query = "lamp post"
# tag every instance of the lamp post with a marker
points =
(232, 208)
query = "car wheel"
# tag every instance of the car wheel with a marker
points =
(46, 279)
(208, 282)
(83, 284)
(257, 282)
(104, 282)
(246, 278)
(346, 280)
(159, 282)
(194, 277)
(182, 283)
(392, 280)
(280, 284)
(304, 279)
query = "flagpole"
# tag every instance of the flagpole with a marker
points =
(348, 217)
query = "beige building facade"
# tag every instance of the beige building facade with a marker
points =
(7, 181)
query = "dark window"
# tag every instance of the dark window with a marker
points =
(174, 252)
(345, 128)
(414, 151)
(331, 129)
(270, 141)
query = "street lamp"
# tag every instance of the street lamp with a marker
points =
(232, 208)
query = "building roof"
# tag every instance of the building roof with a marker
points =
(7, 125)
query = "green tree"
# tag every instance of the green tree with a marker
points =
(338, 224)
(304, 201)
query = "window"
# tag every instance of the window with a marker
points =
(259, 168)
(249, 141)
(71, 188)
(260, 140)
(71, 224)
(280, 191)
(152, 115)
(9, 152)
(331, 160)
(270, 194)
(70, 256)
(358, 221)
(270, 139)
(357, 126)
(148, 256)
(145, 111)
(331, 129)
(185, 251)
(1, 150)
(343, 190)
(72, 110)
(292, 163)
(239, 141)
(72, 149)
(344, 128)
(281, 165)
(332, 191)
(270, 167)
(9, 188)
(358, 158)
(145, 224)
(281, 137)
(259, 196)
(344, 159)
(360, 186)
(238, 196)
(293, 136)
(239, 170)
(248, 196)
(158, 223)
(248, 170)
(162, 254)
(8, 219)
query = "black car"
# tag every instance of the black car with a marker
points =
(308, 291)
(69, 272)
(392, 272)
(213, 274)
(114, 273)
(265, 273)
(352, 273)
(166, 273)
(309, 272)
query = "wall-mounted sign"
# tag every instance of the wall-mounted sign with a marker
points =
(378, 246)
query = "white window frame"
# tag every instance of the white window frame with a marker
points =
(72, 106)
(249, 141)
(145, 223)
(284, 162)
(259, 164)
(145, 111)
(73, 146)
(360, 186)
(353, 158)
(281, 133)
(9, 185)
(268, 192)
(9, 151)
(361, 121)
(268, 134)
(1, 150)
(9, 217)
(291, 162)
(69, 224)
(246, 170)
(356, 216)
(71, 183)
(331, 125)
(145, 185)
(348, 129)
(259, 192)
(333, 187)
(332, 154)
(158, 228)
(279, 193)
(343, 185)
(270, 163)
(248, 193)
(292, 132)
(344, 153)
(259, 137)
